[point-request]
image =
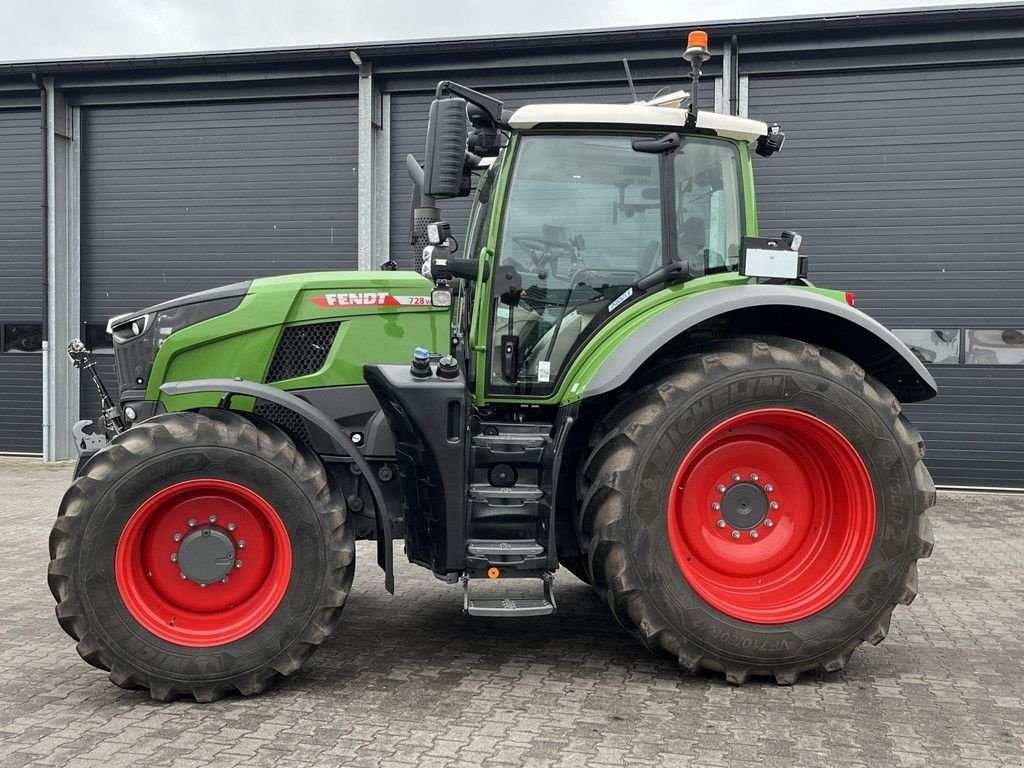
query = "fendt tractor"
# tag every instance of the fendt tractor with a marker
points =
(610, 371)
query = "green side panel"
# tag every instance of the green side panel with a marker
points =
(383, 317)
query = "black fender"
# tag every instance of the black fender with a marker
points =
(774, 310)
(341, 441)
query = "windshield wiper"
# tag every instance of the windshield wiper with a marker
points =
(673, 272)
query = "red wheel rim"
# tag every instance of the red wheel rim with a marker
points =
(151, 562)
(817, 525)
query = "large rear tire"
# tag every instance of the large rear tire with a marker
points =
(199, 554)
(757, 509)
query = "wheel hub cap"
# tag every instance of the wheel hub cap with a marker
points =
(206, 555)
(744, 506)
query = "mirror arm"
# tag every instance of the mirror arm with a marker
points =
(489, 104)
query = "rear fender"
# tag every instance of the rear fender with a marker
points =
(768, 310)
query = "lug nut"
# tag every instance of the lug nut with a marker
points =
(768, 523)
(753, 534)
(736, 478)
(231, 526)
(183, 577)
(224, 580)
(203, 585)
(769, 487)
(241, 544)
(192, 523)
(721, 489)
(773, 505)
(238, 563)
(716, 506)
(213, 518)
(720, 523)
(735, 534)
(177, 537)
(174, 557)
(754, 478)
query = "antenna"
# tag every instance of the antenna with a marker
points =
(629, 79)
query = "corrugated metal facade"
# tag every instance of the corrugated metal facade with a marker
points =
(901, 170)
(21, 373)
(178, 198)
(906, 186)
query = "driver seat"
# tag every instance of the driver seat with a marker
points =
(568, 331)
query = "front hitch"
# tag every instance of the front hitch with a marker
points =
(81, 358)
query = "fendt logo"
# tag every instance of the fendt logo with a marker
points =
(351, 299)
(369, 299)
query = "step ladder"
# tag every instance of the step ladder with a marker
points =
(510, 607)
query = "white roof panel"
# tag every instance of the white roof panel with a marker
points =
(639, 114)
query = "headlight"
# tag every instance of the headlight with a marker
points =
(138, 336)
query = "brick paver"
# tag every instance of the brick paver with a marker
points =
(409, 681)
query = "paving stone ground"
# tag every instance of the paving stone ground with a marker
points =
(409, 681)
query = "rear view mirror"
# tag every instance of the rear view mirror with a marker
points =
(446, 148)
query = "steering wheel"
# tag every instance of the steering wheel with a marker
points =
(540, 250)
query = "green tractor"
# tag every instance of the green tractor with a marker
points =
(609, 371)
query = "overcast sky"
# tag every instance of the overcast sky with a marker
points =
(47, 29)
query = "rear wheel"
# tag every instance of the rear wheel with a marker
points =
(200, 553)
(758, 509)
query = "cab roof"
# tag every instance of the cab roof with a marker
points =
(640, 114)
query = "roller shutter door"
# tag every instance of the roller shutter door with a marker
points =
(21, 372)
(177, 198)
(906, 186)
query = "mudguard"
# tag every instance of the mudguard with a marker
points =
(342, 442)
(775, 310)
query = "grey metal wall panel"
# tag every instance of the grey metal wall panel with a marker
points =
(21, 379)
(177, 198)
(181, 197)
(906, 186)
(409, 129)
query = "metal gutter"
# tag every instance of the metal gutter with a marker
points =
(411, 48)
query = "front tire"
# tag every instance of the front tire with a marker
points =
(199, 554)
(758, 509)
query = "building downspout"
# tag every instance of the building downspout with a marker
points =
(734, 76)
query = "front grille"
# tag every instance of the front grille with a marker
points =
(302, 350)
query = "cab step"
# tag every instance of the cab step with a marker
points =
(503, 548)
(511, 607)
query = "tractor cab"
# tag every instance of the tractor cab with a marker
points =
(580, 211)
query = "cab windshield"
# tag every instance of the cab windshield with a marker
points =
(583, 222)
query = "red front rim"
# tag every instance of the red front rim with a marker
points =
(156, 562)
(771, 516)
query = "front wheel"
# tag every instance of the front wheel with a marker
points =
(200, 553)
(757, 510)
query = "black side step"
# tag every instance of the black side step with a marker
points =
(511, 607)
